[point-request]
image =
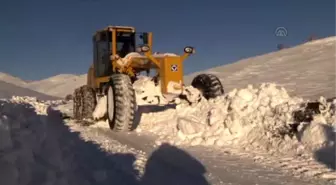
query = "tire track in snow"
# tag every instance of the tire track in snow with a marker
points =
(303, 167)
(237, 167)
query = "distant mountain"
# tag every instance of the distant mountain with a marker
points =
(54, 87)
(11, 79)
(59, 85)
(7, 90)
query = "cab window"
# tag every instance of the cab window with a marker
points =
(102, 51)
(125, 43)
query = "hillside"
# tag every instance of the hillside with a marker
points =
(11, 79)
(60, 85)
(55, 86)
(307, 70)
(7, 90)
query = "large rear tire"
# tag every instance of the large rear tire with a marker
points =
(209, 85)
(77, 104)
(120, 103)
(84, 102)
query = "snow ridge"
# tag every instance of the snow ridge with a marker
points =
(263, 117)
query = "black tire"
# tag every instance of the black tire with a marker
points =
(209, 85)
(121, 103)
(77, 104)
(84, 102)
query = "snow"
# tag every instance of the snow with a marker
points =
(325, 41)
(300, 69)
(59, 86)
(7, 90)
(263, 95)
(140, 58)
(18, 143)
(54, 87)
(255, 118)
(258, 117)
(100, 109)
(37, 147)
(153, 96)
(11, 79)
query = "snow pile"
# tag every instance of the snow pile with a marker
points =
(37, 147)
(261, 117)
(22, 137)
(147, 92)
(319, 131)
(139, 57)
(34, 145)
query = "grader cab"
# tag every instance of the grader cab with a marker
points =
(120, 54)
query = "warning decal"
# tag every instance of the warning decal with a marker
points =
(174, 67)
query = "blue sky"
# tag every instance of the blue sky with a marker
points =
(42, 38)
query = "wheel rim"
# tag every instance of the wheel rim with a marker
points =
(110, 103)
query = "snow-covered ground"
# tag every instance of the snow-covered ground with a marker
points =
(39, 147)
(262, 122)
(254, 119)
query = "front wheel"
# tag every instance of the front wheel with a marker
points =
(120, 103)
(209, 85)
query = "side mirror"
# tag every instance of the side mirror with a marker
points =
(189, 50)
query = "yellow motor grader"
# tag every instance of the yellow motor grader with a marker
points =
(120, 54)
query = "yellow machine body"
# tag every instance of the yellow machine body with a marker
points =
(171, 71)
(169, 68)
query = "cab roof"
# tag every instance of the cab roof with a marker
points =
(110, 28)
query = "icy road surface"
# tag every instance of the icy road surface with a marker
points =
(169, 165)
(197, 165)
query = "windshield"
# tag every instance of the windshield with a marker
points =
(125, 43)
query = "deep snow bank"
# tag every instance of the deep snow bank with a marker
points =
(36, 147)
(25, 138)
(259, 117)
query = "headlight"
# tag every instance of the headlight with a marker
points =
(189, 50)
(144, 48)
